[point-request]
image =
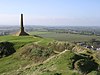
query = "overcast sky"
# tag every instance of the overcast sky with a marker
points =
(50, 12)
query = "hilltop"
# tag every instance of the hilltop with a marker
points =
(43, 56)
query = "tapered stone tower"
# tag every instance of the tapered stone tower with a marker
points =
(22, 32)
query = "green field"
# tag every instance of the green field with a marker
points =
(65, 36)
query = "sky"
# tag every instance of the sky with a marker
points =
(50, 12)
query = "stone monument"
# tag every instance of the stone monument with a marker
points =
(22, 32)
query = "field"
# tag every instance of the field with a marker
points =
(65, 36)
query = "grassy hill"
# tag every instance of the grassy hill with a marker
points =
(60, 64)
(22, 40)
(14, 62)
(43, 56)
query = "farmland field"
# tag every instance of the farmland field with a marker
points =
(66, 36)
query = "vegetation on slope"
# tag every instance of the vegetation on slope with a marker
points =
(15, 61)
(65, 63)
(6, 49)
(41, 56)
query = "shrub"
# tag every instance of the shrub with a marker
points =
(85, 66)
(37, 52)
(47, 52)
(6, 49)
(60, 46)
(57, 74)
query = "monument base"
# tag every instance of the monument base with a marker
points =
(22, 34)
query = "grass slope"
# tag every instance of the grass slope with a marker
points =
(20, 63)
(57, 65)
(20, 41)
(14, 62)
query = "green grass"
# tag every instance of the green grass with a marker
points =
(11, 63)
(65, 36)
(58, 64)
(15, 65)
(18, 38)
(36, 32)
(14, 62)
(20, 41)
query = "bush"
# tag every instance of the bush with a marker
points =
(45, 52)
(74, 59)
(85, 66)
(37, 52)
(57, 74)
(60, 46)
(6, 49)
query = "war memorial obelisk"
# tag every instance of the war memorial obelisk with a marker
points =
(22, 32)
